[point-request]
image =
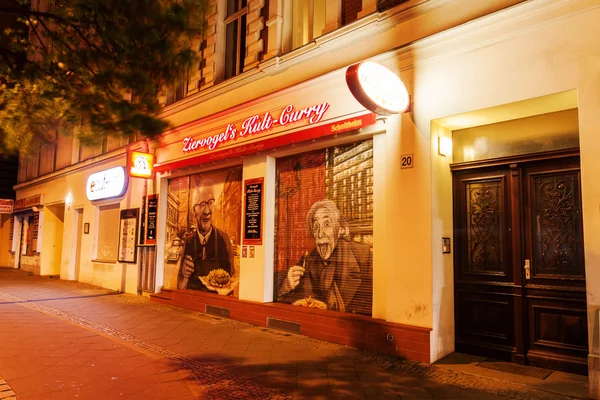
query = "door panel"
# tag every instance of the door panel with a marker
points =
(555, 225)
(485, 309)
(555, 291)
(484, 227)
(506, 217)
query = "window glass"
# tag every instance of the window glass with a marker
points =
(90, 151)
(64, 150)
(47, 158)
(231, 52)
(176, 92)
(33, 163)
(300, 23)
(318, 18)
(235, 38)
(108, 233)
(308, 21)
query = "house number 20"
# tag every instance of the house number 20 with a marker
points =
(407, 161)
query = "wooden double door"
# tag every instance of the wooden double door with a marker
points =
(519, 266)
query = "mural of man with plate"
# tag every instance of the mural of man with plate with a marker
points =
(207, 263)
(336, 274)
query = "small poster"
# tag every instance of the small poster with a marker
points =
(253, 190)
(151, 215)
(127, 235)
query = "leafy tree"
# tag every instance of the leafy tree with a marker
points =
(95, 64)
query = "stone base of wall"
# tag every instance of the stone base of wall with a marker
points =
(353, 330)
(30, 264)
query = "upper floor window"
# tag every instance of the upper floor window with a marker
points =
(235, 37)
(176, 92)
(308, 21)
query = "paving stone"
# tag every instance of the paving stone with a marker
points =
(85, 335)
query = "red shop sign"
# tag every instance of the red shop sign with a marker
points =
(255, 125)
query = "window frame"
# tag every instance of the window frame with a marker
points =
(329, 8)
(103, 222)
(240, 17)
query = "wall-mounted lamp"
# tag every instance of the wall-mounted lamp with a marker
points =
(68, 201)
(444, 146)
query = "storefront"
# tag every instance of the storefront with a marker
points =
(74, 223)
(273, 205)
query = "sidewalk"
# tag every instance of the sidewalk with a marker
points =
(67, 340)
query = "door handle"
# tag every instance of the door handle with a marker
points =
(527, 269)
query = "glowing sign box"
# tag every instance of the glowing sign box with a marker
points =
(377, 88)
(140, 165)
(106, 184)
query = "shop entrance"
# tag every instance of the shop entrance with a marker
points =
(519, 275)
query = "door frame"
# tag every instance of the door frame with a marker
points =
(515, 199)
(77, 233)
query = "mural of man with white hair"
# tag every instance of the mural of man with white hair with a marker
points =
(337, 272)
(206, 248)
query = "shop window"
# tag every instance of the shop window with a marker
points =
(108, 233)
(324, 225)
(308, 21)
(235, 37)
(204, 213)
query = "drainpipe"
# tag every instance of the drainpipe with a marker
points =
(140, 286)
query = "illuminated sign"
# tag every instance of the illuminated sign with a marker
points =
(377, 88)
(6, 206)
(256, 125)
(106, 184)
(140, 165)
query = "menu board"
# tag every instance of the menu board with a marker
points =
(151, 213)
(127, 235)
(253, 193)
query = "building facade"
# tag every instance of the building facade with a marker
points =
(8, 178)
(456, 225)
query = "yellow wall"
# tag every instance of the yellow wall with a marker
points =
(536, 49)
(256, 274)
(51, 228)
(545, 132)
(5, 241)
(442, 337)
